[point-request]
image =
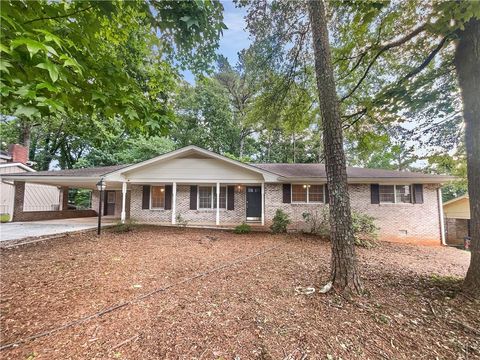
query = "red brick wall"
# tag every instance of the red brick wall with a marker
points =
(52, 215)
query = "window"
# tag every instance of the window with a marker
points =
(299, 193)
(111, 197)
(207, 197)
(403, 193)
(387, 193)
(157, 197)
(395, 194)
(315, 193)
(308, 193)
(205, 200)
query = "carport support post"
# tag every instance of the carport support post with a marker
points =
(123, 214)
(217, 219)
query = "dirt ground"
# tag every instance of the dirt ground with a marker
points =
(227, 296)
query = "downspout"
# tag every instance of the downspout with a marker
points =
(442, 219)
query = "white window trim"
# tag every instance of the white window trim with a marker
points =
(151, 195)
(214, 203)
(308, 195)
(395, 194)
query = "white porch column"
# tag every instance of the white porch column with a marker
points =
(217, 220)
(263, 203)
(123, 214)
(174, 203)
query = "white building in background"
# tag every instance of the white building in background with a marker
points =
(37, 197)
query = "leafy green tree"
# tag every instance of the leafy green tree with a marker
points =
(105, 58)
(241, 88)
(206, 118)
(128, 151)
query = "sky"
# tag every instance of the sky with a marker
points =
(234, 39)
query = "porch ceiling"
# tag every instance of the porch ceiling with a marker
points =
(80, 183)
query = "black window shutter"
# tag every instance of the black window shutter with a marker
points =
(327, 195)
(417, 193)
(168, 197)
(231, 198)
(146, 197)
(375, 193)
(287, 193)
(193, 197)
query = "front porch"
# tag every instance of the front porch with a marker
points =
(199, 204)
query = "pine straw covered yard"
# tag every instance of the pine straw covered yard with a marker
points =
(225, 296)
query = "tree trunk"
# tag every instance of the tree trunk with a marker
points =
(25, 134)
(344, 274)
(467, 64)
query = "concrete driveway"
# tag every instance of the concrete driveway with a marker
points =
(21, 230)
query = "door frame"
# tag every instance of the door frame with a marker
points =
(105, 202)
(255, 218)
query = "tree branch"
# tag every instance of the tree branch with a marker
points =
(427, 61)
(58, 16)
(384, 47)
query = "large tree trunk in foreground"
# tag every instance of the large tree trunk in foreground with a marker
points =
(344, 274)
(467, 63)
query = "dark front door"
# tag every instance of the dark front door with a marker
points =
(254, 202)
(109, 203)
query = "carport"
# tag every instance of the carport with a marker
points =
(116, 197)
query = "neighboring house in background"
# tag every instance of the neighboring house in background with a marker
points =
(37, 197)
(206, 188)
(457, 219)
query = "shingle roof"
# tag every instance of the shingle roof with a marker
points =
(284, 170)
(318, 171)
(82, 172)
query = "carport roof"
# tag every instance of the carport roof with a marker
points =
(82, 172)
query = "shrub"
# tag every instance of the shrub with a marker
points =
(318, 223)
(4, 218)
(280, 222)
(242, 229)
(128, 226)
(364, 229)
(181, 221)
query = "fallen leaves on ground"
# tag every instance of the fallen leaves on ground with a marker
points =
(262, 307)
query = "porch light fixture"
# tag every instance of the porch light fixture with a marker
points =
(101, 185)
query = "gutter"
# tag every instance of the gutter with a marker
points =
(442, 219)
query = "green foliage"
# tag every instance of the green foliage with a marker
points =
(81, 198)
(128, 151)
(49, 62)
(190, 30)
(181, 221)
(318, 222)
(242, 229)
(206, 118)
(127, 226)
(455, 165)
(280, 222)
(364, 229)
(4, 218)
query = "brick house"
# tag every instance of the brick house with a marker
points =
(205, 188)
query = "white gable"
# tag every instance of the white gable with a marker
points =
(192, 170)
(191, 164)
